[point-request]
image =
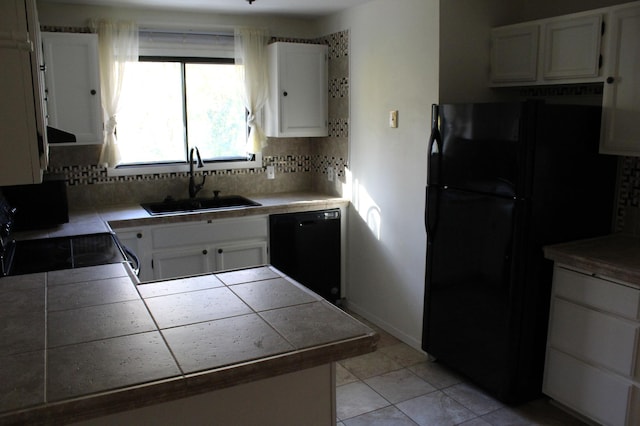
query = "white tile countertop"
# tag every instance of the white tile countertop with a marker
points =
(615, 256)
(81, 343)
(131, 215)
(89, 342)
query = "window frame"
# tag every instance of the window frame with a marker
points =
(253, 161)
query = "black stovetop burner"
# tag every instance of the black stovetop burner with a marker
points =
(52, 254)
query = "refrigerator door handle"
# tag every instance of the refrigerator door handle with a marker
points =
(433, 169)
(435, 144)
(432, 201)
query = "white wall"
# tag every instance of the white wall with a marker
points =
(393, 66)
(73, 15)
(548, 8)
(464, 46)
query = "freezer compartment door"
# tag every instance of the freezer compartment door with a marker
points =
(485, 148)
(469, 283)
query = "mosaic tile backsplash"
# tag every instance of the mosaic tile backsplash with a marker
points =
(300, 163)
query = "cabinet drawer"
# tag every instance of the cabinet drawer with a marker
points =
(586, 389)
(594, 336)
(598, 293)
(208, 232)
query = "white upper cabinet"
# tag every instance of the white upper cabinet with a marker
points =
(621, 95)
(297, 105)
(514, 53)
(557, 50)
(73, 85)
(23, 144)
(572, 47)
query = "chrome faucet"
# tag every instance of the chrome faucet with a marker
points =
(193, 187)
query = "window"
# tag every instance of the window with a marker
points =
(170, 105)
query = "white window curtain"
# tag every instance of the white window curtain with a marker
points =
(251, 59)
(117, 45)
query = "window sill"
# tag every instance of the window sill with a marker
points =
(183, 168)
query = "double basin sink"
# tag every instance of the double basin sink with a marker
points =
(170, 205)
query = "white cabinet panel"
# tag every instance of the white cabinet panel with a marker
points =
(593, 336)
(206, 232)
(241, 255)
(514, 53)
(199, 247)
(181, 262)
(596, 292)
(621, 96)
(593, 347)
(73, 85)
(586, 389)
(23, 144)
(572, 47)
(298, 90)
(138, 240)
(558, 50)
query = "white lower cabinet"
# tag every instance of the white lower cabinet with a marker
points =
(593, 347)
(138, 241)
(188, 248)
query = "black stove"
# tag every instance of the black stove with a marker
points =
(52, 254)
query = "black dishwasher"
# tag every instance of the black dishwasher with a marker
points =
(306, 247)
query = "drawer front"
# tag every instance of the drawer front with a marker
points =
(594, 336)
(219, 230)
(588, 390)
(596, 292)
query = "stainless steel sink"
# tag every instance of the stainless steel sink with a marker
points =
(170, 205)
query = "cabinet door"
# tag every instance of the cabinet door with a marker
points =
(73, 85)
(298, 91)
(139, 242)
(594, 336)
(181, 262)
(621, 97)
(586, 389)
(514, 53)
(241, 255)
(22, 122)
(572, 47)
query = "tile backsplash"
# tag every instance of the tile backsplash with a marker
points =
(300, 163)
(628, 207)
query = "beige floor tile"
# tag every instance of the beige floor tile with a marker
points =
(538, 412)
(388, 416)
(399, 385)
(369, 365)
(403, 354)
(435, 409)
(355, 399)
(436, 374)
(343, 376)
(473, 398)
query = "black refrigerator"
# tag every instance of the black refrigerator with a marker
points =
(505, 179)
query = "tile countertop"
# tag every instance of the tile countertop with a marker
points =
(134, 215)
(87, 342)
(616, 256)
(104, 219)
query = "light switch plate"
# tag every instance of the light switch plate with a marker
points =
(393, 119)
(271, 172)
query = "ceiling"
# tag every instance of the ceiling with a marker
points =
(297, 8)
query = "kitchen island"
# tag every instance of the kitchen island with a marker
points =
(236, 346)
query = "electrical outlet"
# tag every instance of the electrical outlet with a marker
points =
(271, 172)
(330, 174)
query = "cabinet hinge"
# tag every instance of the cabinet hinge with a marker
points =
(602, 28)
